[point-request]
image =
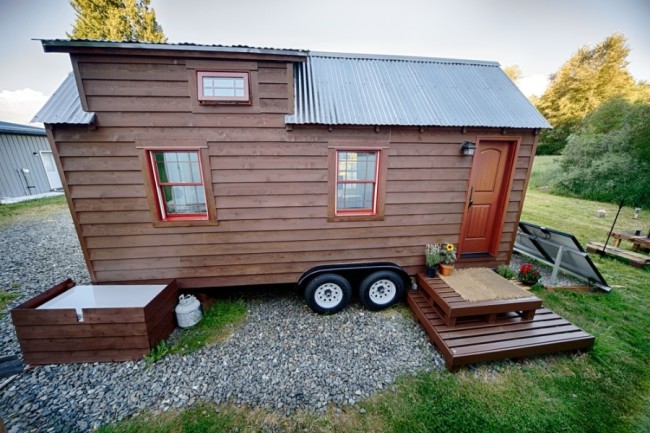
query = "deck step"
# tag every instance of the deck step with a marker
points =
(474, 340)
(635, 259)
(452, 308)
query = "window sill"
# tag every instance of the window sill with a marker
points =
(344, 218)
(184, 223)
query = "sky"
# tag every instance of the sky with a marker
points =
(537, 35)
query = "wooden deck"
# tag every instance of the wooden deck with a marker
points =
(451, 307)
(509, 335)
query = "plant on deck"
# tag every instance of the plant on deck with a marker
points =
(448, 254)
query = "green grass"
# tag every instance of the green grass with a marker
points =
(5, 299)
(545, 172)
(42, 206)
(217, 323)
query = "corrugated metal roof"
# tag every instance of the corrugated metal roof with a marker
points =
(65, 45)
(64, 106)
(353, 89)
(15, 128)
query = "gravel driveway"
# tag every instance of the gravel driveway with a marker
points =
(283, 358)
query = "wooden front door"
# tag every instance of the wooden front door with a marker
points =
(489, 186)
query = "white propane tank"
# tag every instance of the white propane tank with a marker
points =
(188, 311)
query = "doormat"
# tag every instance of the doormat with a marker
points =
(482, 284)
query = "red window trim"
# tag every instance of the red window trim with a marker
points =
(242, 99)
(159, 194)
(375, 182)
(380, 189)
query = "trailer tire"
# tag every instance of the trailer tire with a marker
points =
(381, 290)
(328, 293)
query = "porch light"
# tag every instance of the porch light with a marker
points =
(468, 148)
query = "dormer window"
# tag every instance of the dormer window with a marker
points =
(223, 87)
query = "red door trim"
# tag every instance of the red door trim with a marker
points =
(515, 143)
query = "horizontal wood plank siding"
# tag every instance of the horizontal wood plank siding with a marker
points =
(269, 183)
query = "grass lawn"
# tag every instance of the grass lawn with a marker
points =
(42, 206)
(604, 390)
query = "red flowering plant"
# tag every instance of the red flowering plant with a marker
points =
(528, 274)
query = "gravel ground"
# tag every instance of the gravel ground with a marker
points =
(283, 358)
(562, 280)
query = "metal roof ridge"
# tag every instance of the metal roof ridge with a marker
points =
(388, 57)
(20, 129)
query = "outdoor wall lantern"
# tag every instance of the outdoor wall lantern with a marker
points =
(468, 148)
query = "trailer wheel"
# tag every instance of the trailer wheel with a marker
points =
(381, 289)
(328, 293)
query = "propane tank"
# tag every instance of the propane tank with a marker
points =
(188, 311)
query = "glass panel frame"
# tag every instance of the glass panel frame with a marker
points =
(179, 185)
(223, 86)
(357, 181)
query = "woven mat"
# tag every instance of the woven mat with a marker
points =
(482, 284)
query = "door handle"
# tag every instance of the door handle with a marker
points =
(471, 195)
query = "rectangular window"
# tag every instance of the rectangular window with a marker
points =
(223, 86)
(179, 185)
(356, 184)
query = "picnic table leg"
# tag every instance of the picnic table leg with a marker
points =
(617, 242)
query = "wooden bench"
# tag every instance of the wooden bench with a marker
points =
(635, 259)
(451, 307)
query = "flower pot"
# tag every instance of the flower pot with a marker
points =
(529, 282)
(432, 271)
(446, 270)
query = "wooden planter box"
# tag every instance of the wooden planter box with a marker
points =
(70, 324)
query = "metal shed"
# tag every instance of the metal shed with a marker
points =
(27, 167)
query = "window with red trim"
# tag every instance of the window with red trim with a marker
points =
(223, 86)
(356, 182)
(179, 186)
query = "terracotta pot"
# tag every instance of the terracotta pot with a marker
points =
(446, 270)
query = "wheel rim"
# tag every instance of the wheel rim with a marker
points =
(328, 295)
(382, 292)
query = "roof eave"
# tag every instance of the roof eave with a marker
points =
(83, 45)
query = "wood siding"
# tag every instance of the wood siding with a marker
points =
(270, 184)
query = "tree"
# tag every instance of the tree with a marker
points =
(116, 20)
(608, 157)
(513, 72)
(590, 77)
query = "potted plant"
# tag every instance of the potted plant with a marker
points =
(528, 275)
(448, 252)
(433, 256)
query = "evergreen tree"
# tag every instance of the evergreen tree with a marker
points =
(116, 20)
(590, 77)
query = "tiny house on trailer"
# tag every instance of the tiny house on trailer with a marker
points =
(224, 166)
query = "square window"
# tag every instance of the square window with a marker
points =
(223, 87)
(179, 186)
